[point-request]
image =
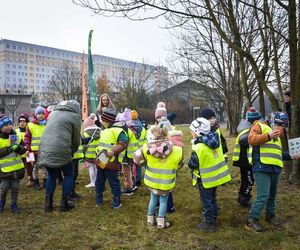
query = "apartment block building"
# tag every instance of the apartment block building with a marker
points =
(27, 68)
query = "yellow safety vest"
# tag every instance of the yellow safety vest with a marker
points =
(12, 161)
(109, 138)
(79, 153)
(143, 138)
(21, 135)
(36, 131)
(271, 151)
(161, 173)
(213, 169)
(133, 144)
(237, 148)
(90, 152)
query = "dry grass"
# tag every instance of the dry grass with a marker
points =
(89, 227)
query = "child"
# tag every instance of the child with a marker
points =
(12, 168)
(90, 140)
(267, 159)
(241, 153)
(162, 159)
(209, 170)
(32, 138)
(113, 140)
(22, 122)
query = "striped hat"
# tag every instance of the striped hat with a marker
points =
(108, 116)
(252, 115)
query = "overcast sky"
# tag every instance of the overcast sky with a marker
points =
(62, 24)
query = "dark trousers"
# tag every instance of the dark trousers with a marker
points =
(209, 202)
(67, 184)
(29, 168)
(112, 177)
(247, 182)
(75, 163)
(10, 183)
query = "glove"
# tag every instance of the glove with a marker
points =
(14, 148)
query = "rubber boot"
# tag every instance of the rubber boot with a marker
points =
(14, 208)
(162, 223)
(48, 203)
(150, 220)
(2, 205)
(66, 204)
(36, 184)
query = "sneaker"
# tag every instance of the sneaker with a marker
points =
(91, 185)
(127, 192)
(207, 227)
(116, 206)
(134, 188)
(254, 226)
(14, 209)
(171, 210)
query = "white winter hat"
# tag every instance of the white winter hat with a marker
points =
(200, 126)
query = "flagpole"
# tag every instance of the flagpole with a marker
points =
(83, 85)
(92, 84)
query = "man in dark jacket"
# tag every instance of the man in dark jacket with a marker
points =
(60, 140)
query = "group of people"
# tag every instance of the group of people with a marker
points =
(111, 143)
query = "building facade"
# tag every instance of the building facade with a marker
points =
(27, 68)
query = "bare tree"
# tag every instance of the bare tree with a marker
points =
(65, 84)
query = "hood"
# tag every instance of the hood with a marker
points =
(71, 106)
(136, 127)
(211, 140)
(93, 131)
(244, 124)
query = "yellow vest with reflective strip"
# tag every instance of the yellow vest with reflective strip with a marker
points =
(90, 152)
(213, 169)
(133, 144)
(109, 138)
(143, 137)
(79, 153)
(36, 131)
(271, 151)
(12, 161)
(21, 135)
(161, 173)
(237, 148)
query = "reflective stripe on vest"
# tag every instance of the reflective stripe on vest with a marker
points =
(90, 152)
(213, 169)
(21, 135)
(108, 138)
(11, 162)
(79, 153)
(271, 151)
(161, 173)
(36, 131)
(237, 148)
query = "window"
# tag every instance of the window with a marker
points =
(8, 46)
(11, 101)
(8, 65)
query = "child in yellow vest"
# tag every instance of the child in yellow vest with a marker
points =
(162, 159)
(12, 168)
(209, 169)
(32, 138)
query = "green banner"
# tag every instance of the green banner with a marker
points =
(93, 90)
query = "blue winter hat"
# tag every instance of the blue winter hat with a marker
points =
(4, 121)
(39, 110)
(252, 115)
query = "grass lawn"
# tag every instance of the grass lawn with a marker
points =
(90, 227)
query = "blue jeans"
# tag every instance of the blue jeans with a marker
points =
(114, 183)
(209, 202)
(266, 190)
(67, 184)
(163, 201)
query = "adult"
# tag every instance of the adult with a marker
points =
(105, 102)
(59, 142)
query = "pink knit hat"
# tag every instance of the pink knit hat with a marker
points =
(160, 110)
(89, 121)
